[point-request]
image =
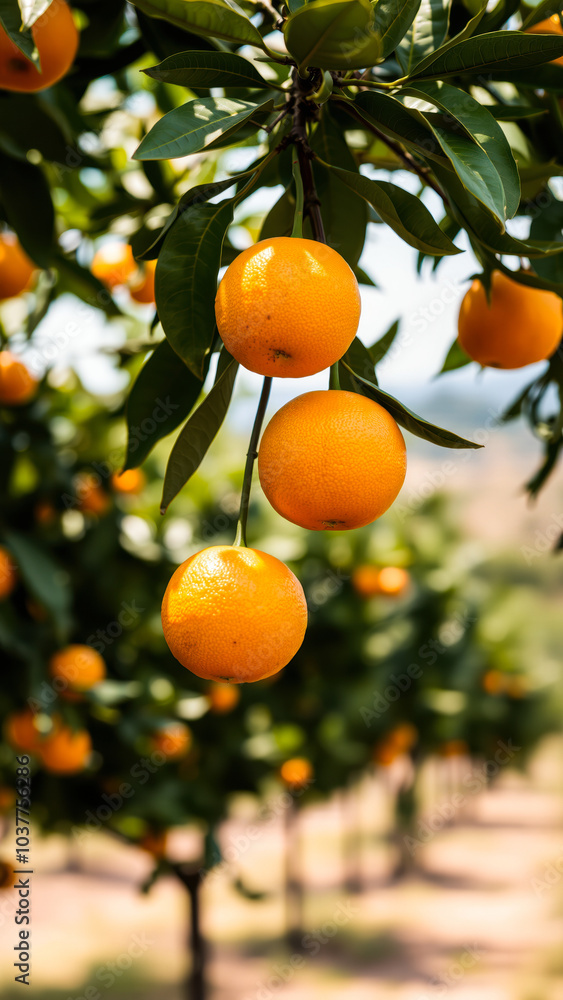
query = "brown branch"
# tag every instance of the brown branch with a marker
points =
(312, 204)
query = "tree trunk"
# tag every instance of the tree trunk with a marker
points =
(293, 880)
(195, 984)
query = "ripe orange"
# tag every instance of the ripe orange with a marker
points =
(141, 284)
(288, 307)
(331, 460)
(223, 698)
(493, 682)
(81, 667)
(365, 580)
(92, 499)
(393, 580)
(45, 513)
(551, 26)
(20, 731)
(131, 481)
(155, 842)
(16, 269)
(174, 740)
(56, 39)
(454, 748)
(234, 614)
(403, 736)
(520, 326)
(114, 264)
(385, 753)
(17, 384)
(8, 574)
(296, 772)
(64, 751)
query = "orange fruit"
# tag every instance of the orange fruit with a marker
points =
(392, 580)
(8, 574)
(288, 307)
(234, 614)
(517, 687)
(92, 499)
(131, 481)
(454, 748)
(20, 731)
(16, 269)
(174, 740)
(331, 459)
(403, 736)
(296, 772)
(81, 667)
(45, 513)
(17, 384)
(385, 752)
(141, 285)
(65, 751)
(365, 580)
(56, 39)
(223, 698)
(114, 264)
(155, 842)
(493, 682)
(551, 26)
(521, 325)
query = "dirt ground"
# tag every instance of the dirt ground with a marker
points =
(480, 915)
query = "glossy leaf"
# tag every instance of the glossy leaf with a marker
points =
(11, 22)
(213, 18)
(541, 12)
(344, 213)
(186, 280)
(162, 396)
(514, 112)
(43, 578)
(333, 34)
(495, 51)
(396, 121)
(193, 126)
(358, 358)
(401, 210)
(455, 358)
(208, 69)
(393, 19)
(378, 350)
(406, 418)
(198, 433)
(426, 34)
(26, 200)
(81, 282)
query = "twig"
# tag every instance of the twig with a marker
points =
(304, 152)
(251, 457)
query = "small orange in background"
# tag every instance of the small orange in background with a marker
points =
(45, 513)
(131, 481)
(174, 740)
(64, 751)
(16, 269)
(56, 39)
(365, 580)
(493, 682)
(92, 499)
(403, 736)
(80, 667)
(393, 580)
(114, 264)
(454, 748)
(520, 325)
(297, 772)
(385, 753)
(155, 842)
(141, 285)
(8, 573)
(223, 697)
(517, 687)
(551, 26)
(20, 731)
(17, 384)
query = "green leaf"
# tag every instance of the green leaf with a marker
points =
(81, 282)
(547, 224)
(539, 13)
(44, 579)
(401, 210)
(470, 28)
(208, 69)
(378, 350)
(484, 130)
(455, 358)
(210, 18)
(426, 34)
(279, 220)
(496, 50)
(358, 357)
(514, 112)
(548, 77)
(31, 10)
(498, 16)
(186, 280)
(393, 19)
(162, 396)
(193, 126)
(406, 418)
(396, 121)
(344, 213)
(198, 433)
(11, 22)
(333, 34)
(27, 205)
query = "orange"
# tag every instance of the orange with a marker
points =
(403, 736)
(493, 682)
(385, 752)
(223, 698)
(92, 499)
(17, 384)
(8, 574)
(365, 580)
(65, 751)
(141, 285)
(173, 740)
(288, 307)
(131, 481)
(16, 269)
(297, 772)
(454, 748)
(392, 580)
(56, 39)
(81, 667)
(234, 614)
(521, 325)
(155, 842)
(45, 513)
(114, 264)
(20, 731)
(332, 460)
(551, 26)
